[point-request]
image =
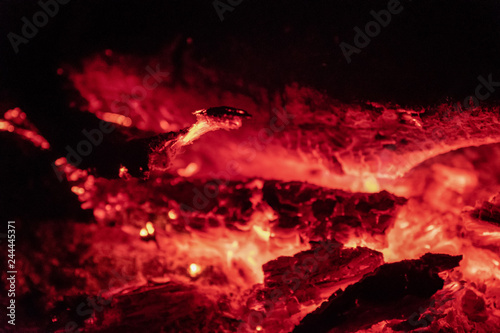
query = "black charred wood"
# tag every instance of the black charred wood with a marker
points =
(387, 293)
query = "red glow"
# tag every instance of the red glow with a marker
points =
(376, 184)
(15, 121)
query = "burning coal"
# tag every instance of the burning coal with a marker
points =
(351, 218)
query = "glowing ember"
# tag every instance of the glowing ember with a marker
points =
(123, 173)
(189, 170)
(77, 190)
(264, 235)
(302, 223)
(172, 214)
(117, 119)
(147, 233)
(143, 232)
(15, 121)
(150, 229)
(371, 184)
(194, 270)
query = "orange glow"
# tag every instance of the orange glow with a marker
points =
(164, 125)
(194, 270)
(143, 232)
(123, 173)
(117, 119)
(150, 229)
(371, 184)
(77, 190)
(60, 161)
(264, 235)
(172, 214)
(219, 247)
(189, 170)
(17, 123)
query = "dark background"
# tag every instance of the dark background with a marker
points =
(430, 52)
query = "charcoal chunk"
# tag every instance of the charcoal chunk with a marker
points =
(323, 266)
(488, 212)
(474, 307)
(331, 214)
(288, 221)
(382, 295)
(323, 209)
(270, 196)
(291, 283)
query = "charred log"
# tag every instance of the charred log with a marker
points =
(386, 293)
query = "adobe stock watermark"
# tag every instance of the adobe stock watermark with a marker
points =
(248, 151)
(482, 92)
(92, 305)
(447, 123)
(222, 6)
(372, 29)
(95, 136)
(29, 29)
